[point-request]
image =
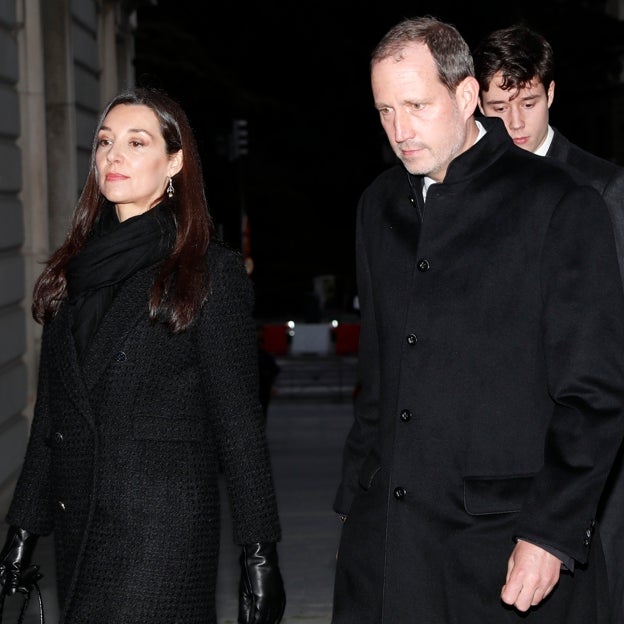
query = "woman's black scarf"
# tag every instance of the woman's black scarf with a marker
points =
(114, 252)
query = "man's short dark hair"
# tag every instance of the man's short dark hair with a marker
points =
(521, 55)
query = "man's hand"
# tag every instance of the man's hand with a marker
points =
(532, 574)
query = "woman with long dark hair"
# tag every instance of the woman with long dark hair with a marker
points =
(148, 387)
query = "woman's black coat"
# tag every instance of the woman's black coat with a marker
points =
(492, 398)
(124, 456)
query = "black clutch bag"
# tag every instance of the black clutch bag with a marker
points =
(29, 584)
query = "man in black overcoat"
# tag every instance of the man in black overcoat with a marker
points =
(492, 384)
(515, 67)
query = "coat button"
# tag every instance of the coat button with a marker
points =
(61, 505)
(399, 493)
(58, 437)
(423, 265)
(411, 339)
(406, 415)
(120, 357)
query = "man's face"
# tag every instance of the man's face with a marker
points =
(426, 125)
(524, 111)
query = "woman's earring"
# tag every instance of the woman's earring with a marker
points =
(170, 189)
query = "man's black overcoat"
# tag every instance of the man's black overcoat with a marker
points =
(608, 179)
(492, 400)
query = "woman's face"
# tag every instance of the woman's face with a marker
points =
(133, 167)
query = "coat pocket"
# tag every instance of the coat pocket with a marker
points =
(370, 468)
(495, 495)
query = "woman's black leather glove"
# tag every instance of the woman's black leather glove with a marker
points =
(15, 575)
(261, 595)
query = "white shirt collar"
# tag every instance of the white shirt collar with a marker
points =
(545, 146)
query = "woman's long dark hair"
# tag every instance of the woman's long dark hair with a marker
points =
(181, 285)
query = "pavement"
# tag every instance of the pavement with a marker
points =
(308, 419)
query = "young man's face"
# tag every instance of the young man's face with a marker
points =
(524, 111)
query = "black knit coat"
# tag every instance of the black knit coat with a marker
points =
(124, 454)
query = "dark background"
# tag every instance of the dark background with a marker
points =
(298, 73)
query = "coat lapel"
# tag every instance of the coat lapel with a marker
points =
(64, 359)
(559, 147)
(129, 306)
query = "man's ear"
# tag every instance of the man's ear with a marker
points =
(175, 163)
(467, 95)
(550, 93)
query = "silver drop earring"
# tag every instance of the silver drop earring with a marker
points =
(170, 189)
